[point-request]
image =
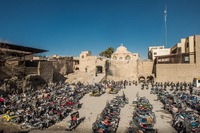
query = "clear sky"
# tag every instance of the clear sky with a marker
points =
(67, 27)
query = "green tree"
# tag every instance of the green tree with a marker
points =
(108, 52)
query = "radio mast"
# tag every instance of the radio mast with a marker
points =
(165, 18)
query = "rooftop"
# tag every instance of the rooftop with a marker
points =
(17, 50)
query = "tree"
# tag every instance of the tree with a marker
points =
(108, 52)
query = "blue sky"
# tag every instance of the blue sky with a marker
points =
(67, 27)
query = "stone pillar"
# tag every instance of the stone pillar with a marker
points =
(197, 45)
(191, 57)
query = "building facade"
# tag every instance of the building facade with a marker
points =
(92, 64)
(157, 51)
(183, 62)
(125, 65)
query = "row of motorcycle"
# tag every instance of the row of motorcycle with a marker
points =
(184, 108)
(143, 119)
(43, 108)
(98, 90)
(192, 101)
(115, 87)
(108, 120)
(111, 87)
(179, 86)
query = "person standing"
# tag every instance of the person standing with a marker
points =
(124, 84)
(191, 90)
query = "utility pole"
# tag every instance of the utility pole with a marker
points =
(165, 18)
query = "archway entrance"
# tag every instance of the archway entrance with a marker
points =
(99, 69)
(141, 79)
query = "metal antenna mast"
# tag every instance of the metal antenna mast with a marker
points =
(165, 17)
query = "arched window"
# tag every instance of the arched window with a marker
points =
(114, 58)
(127, 57)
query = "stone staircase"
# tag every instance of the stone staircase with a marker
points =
(79, 76)
(85, 78)
(97, 79)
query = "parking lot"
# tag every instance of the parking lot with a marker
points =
(92, 106)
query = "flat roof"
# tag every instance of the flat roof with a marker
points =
(171, 55)
(13, 49)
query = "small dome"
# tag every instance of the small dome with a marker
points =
(122, 49)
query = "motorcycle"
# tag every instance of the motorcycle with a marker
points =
(75, 121)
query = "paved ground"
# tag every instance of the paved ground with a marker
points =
(92, 106)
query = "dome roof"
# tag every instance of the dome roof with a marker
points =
(122, 49)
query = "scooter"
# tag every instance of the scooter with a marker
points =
(7, 117)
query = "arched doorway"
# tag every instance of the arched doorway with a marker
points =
(99, 69)
(141, 79)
